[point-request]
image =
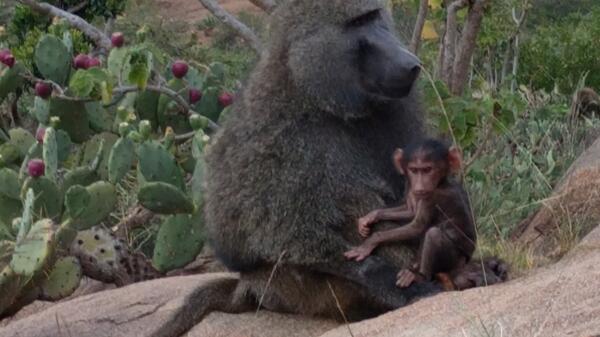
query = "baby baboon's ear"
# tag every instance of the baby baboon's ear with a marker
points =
(454, 159)
(397, 158)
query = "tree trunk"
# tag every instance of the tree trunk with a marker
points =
(415, 42)
(449, 43)
(467, 47)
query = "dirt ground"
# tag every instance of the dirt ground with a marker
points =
(192, 10)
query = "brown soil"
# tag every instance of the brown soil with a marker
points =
(192, 10)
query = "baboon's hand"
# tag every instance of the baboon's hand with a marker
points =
(365, 222)
(359, 253)
(405, 278)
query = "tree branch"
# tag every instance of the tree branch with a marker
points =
(78, 7)
(266, 5)
(415, 42)
(97, 36)
(244, 31)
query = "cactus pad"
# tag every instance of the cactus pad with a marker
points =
(91, 151)
(164, 199)
(102, 201)
(63, 279)
(11, 79)
(120, 159)
(157, 164)
(179, 241)
(50, 154)
(9, 184)
(73, 118)
(52, 59)
(22, 139)
(34, 251)
(82, 175)
(48, 199)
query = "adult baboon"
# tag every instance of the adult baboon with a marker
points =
(306, 151)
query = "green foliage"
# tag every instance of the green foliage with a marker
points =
(562, 53)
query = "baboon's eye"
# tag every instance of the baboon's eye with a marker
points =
(364, 19)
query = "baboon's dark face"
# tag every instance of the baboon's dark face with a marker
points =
(386, 68)
(347, 63)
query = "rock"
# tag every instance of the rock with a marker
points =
(263, 324)
(560, 300)
(574, 200)
(164, 307)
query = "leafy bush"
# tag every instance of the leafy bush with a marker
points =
(562, 53)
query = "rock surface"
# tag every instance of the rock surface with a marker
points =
(263, 324)
(576, 198)
(559, 300)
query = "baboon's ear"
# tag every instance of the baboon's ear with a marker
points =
(397, 158)
(454, 159)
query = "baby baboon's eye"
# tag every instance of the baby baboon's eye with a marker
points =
(364, 19)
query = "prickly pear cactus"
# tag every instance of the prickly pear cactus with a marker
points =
(63, 279)
(50, 154)
(108, 259)
(48, 198)
(22, 139)
(157, 164)
(9, 184)
(180, 239)
(35, 250)
(52, 59)
(88, 206)
(11, 79)
(164, 198)
(120, 159)
(73, 118)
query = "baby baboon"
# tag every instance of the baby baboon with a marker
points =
(305, 152)
(439, 210)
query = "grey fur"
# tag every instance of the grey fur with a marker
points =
(303, 154)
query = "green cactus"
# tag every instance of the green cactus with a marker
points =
(52, 59)
(9, 209)
(48, 199)
(209, 104)
(11, 79)
(22, 139)
(120, 159)
(83, 175)
(156, 164)
(63, 279)
(101, 119)
(180, 239)
(35, 151)
(26, 220)
(146, 105)
(73, 118)
(9, 154)
(164, 198)
(103, 248)
(9, 184)
(40, 110)
(35, 250)
(63, 145)
(92, 147)
(50, 154)
(169, 113)
(87, 208)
